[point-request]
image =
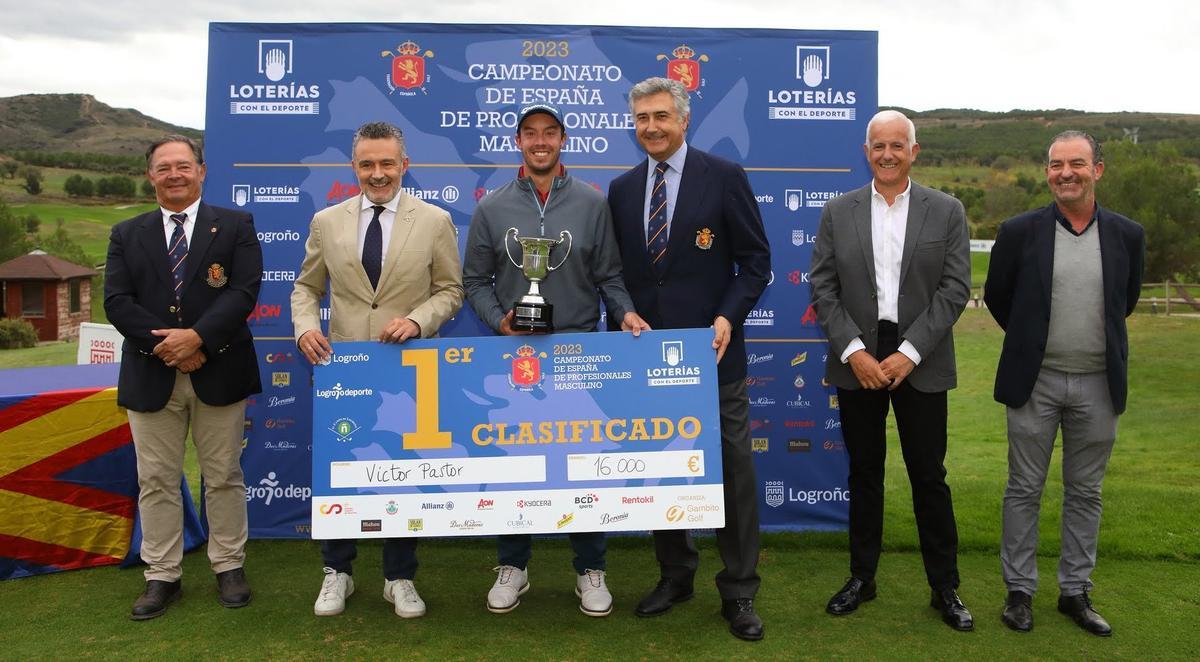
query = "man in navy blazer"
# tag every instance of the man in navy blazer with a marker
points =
(1061, 281)
(681, 235)
(179, 283)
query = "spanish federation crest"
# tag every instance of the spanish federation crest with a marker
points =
(774, 493)
(704, 239)
(408, 67)
(683, 68)
(526, 372)
(216, 276)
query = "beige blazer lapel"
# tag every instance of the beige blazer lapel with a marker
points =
(346, 240)
(401, 229)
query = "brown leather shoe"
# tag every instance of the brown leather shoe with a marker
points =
(153, 601)
(232, 589)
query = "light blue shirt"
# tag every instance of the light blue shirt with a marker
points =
(671, 178)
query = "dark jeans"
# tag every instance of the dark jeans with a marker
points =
(921, 423)
(399, 556)
(516, 550)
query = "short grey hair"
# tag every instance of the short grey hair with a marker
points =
(1097, 154)
(197, 151)
(377, 131)
(658, 85)
(888, 116)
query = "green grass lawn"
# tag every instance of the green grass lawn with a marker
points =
(1146, 578)
(89, 226)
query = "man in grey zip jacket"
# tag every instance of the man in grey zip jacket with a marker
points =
(542, 202)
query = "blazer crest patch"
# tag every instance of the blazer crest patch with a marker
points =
(216, 276)
(704, 239)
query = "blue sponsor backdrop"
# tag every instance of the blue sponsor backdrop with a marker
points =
(789, 105)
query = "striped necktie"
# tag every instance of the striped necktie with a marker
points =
(177, 252)
(656, 229)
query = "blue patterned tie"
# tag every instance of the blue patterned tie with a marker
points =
(178, 255)
(656, 230)
(372, 256)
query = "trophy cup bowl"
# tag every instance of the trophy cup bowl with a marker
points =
(531, 312)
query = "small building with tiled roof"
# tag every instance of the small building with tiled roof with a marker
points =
(52, 294)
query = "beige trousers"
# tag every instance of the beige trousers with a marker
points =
(159, 438)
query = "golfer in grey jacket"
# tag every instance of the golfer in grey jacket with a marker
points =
(542, 202)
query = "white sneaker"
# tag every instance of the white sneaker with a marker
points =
(505, 595)
(594, 598)
(336, 587)
(403, 594)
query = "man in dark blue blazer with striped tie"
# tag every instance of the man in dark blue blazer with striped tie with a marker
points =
(179, 282)
(694, 254)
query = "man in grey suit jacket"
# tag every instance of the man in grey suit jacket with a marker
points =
(890, 275)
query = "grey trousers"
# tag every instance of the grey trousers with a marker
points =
(1080, 404)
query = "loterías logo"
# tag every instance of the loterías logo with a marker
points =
(275, 62)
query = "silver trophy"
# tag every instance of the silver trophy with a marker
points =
(531, 312)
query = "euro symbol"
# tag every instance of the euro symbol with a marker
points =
(693, 464)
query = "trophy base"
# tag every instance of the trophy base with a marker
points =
(535, 317)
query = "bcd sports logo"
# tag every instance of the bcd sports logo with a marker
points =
(820, 101)
(276, 60)
(407, 72)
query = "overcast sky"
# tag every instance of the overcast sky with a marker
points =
(1097, 56)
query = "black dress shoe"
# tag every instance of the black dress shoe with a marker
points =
(854, 593)
(1079, 608)
(667, 593)
(1018, 611)
(954, 612)
(744, 623)
(153, 601)
(232, 589)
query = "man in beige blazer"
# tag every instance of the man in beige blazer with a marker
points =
(393, 272)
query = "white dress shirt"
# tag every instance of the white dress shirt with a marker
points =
(188, 226)
(386, 218)
(671, 179)
(888, 226)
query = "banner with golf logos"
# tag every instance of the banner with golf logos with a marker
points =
(533, 434)
(790, 106)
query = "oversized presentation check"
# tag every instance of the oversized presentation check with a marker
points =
(532, 434)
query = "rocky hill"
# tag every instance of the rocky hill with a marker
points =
(77, 123)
